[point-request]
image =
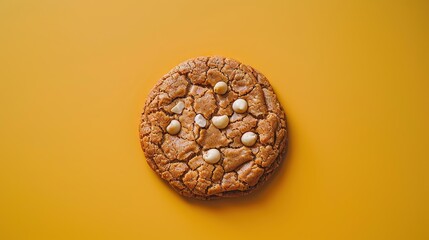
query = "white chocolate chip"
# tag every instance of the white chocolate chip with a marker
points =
(239, 106)
(200, 120)
(236, 116)
(249, 139)
(212, 156)
(220, 88)
(174, 127)
(220, 121)
(178, 108)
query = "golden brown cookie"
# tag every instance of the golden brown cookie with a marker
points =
(213, 127)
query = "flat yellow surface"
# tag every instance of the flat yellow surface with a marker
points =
(353, 77)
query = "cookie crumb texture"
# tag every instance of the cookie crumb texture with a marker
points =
(178, 157)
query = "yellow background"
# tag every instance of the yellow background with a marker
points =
(353, 77)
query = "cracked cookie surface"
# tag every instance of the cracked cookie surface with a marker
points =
(187, 97)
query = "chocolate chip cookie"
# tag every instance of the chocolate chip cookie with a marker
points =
(213, 127)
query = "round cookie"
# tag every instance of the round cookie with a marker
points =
(213, 127)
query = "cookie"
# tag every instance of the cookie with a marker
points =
(213, 127)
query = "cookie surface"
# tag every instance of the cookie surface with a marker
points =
(213, 127)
